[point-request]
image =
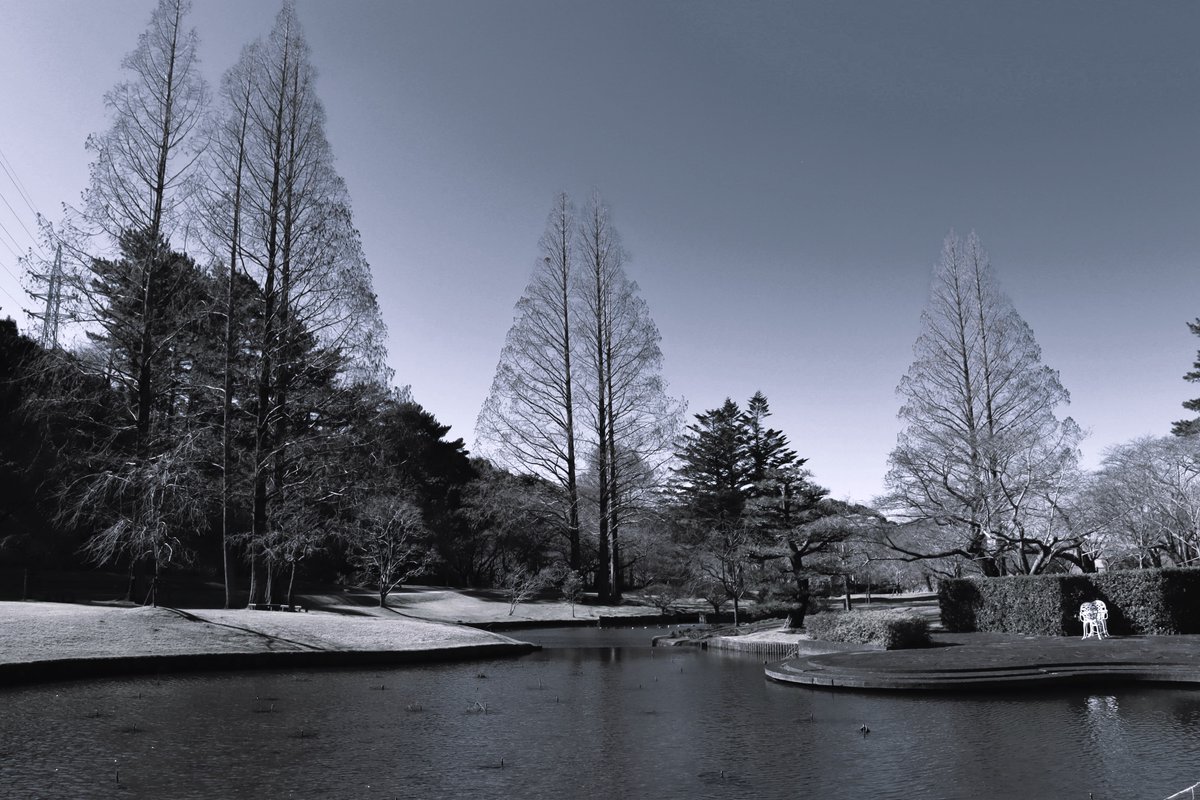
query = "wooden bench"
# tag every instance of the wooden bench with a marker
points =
(273, 607)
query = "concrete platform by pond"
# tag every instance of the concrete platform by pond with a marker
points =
(981, 661)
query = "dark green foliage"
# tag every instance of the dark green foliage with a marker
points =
(510, 523)
(150, 306)
(53, 415)
(1149, 601)
(959, 600)
(412, 455)
(25, 455)
(746, 501)
(891, 629)
(1190, 427)
(767, 448)
(713, 477)
(423, 460)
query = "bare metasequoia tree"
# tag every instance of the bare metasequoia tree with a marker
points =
(528, 420)
(283, 216)
(579, 383)
(631, 420)
(982, 454)
(222, 212)
(142, 303)
(602, 265)
(142, 177)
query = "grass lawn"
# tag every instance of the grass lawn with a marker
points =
(473, 607)
(52, 631)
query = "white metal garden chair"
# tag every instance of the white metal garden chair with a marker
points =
(1094, 616)
(1101, 619)
(1088, 616)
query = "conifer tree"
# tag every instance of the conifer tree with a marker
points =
(746, 498)
(1190, 427)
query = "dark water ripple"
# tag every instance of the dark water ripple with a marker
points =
(613, 719)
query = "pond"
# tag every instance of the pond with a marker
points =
(597, 713)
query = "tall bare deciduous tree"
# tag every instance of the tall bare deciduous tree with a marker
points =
(580, 383)
(643, 419)
(142, 176)
(982, 453)
(143, 304)
(287, 223)
(528, 422)
(222, 212)
(602, 263)
(631, 420)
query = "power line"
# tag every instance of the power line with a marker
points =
(15, 179)
(11, 172)
(54, 295)
(13, 239)
(10, 272)
(10, 297)
(21, 222)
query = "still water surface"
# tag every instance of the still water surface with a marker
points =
(598, 713)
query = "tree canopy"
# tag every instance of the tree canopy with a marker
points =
(982, 454)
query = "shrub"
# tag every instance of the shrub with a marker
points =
(1147, 601)
(666, 597)
(959, 602)
(893, 629)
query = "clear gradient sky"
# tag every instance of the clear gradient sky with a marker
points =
(782, 173)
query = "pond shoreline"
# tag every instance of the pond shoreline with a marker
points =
(52, 670)
(58, 641)
(1000, 662)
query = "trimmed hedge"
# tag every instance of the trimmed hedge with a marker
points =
(1143, 601)
(892, 629)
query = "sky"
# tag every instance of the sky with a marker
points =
(782, 174)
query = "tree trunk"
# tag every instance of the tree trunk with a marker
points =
(253, 598)
(799, 611)
(603, 569)
(227, 400)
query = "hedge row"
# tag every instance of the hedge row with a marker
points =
(1143, 601)
(893, 629)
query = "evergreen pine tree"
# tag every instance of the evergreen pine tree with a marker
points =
(1188, 427)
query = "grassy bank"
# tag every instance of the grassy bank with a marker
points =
(55, 631)
(51, 640)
